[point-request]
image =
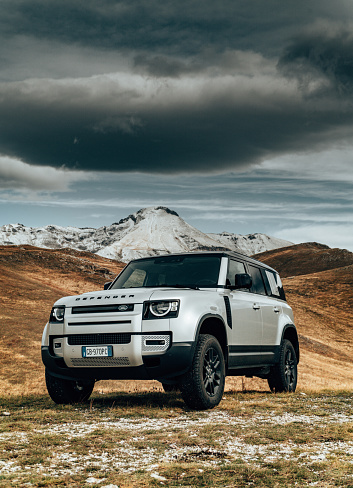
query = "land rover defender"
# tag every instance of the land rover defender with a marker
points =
(186, 320)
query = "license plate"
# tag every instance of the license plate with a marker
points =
(97, 351)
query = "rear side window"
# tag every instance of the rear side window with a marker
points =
(274, 285)
(258, 285)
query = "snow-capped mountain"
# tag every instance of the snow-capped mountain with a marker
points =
(157, 230)
(150, 231)
(251, 243)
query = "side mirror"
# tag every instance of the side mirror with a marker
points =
(242, 280)
(107, 285)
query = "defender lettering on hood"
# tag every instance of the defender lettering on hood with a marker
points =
(103, 298)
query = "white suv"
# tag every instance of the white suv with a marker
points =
(187, 320)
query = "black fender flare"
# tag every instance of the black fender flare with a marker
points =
(293, 334)
(198, 328)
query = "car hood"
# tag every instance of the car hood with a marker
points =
(131, 295)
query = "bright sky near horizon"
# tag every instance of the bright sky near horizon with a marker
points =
(237, 114)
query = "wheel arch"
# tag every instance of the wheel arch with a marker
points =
(214, 325)
(290, 333)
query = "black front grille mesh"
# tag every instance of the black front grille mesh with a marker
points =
(92, 339)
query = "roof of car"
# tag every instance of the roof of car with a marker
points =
(232, 254)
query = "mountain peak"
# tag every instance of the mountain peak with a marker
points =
(145, 212)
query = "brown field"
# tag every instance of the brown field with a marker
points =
(318, 283)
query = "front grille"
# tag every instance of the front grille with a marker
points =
(82, 362)
(93, 339)
(121, 307)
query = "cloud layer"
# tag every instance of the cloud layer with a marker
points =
(159, 87)
(17, 175)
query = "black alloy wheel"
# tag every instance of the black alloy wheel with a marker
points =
(202, 386)
(212, 371)
(284, 375)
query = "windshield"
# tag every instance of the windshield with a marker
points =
(176, 271)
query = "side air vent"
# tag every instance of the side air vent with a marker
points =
(228, 311)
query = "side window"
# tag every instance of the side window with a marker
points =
(280, 287)
(234, 267)
(275, 284)
(258, 285)
(266, 279)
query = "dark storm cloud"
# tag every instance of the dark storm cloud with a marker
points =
(197, 124)
(183, 26)
(196, 85)
(326, 50)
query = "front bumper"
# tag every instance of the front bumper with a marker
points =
(171, 364)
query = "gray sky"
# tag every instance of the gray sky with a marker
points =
(237, 114)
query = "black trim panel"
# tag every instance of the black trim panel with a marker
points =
(94, 339)
(244, 356)
(111, 322)
(103, 308)
(228, 311)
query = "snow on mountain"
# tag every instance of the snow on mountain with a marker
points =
(158, 230)
(150, 231)
(251, 243)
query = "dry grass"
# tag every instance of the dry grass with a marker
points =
(152, 439)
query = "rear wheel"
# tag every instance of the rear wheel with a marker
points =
(202, 386)
(284, 375)
(63, 391)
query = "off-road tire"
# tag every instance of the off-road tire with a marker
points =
(284, 375)
(63, 391)
(202, 386)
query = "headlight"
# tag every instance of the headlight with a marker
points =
(161, 308)
(57, 315)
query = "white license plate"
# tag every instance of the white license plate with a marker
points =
(97, 351)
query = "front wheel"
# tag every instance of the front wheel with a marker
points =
(284, 375)
(63, 391)
(202, 386)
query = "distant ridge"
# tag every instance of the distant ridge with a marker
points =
(147, 232)
(307, 258)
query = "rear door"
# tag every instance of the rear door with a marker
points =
(270, 311)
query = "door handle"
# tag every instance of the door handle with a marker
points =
(256, 306)
(276, 309)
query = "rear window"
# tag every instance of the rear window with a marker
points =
(273, 284)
